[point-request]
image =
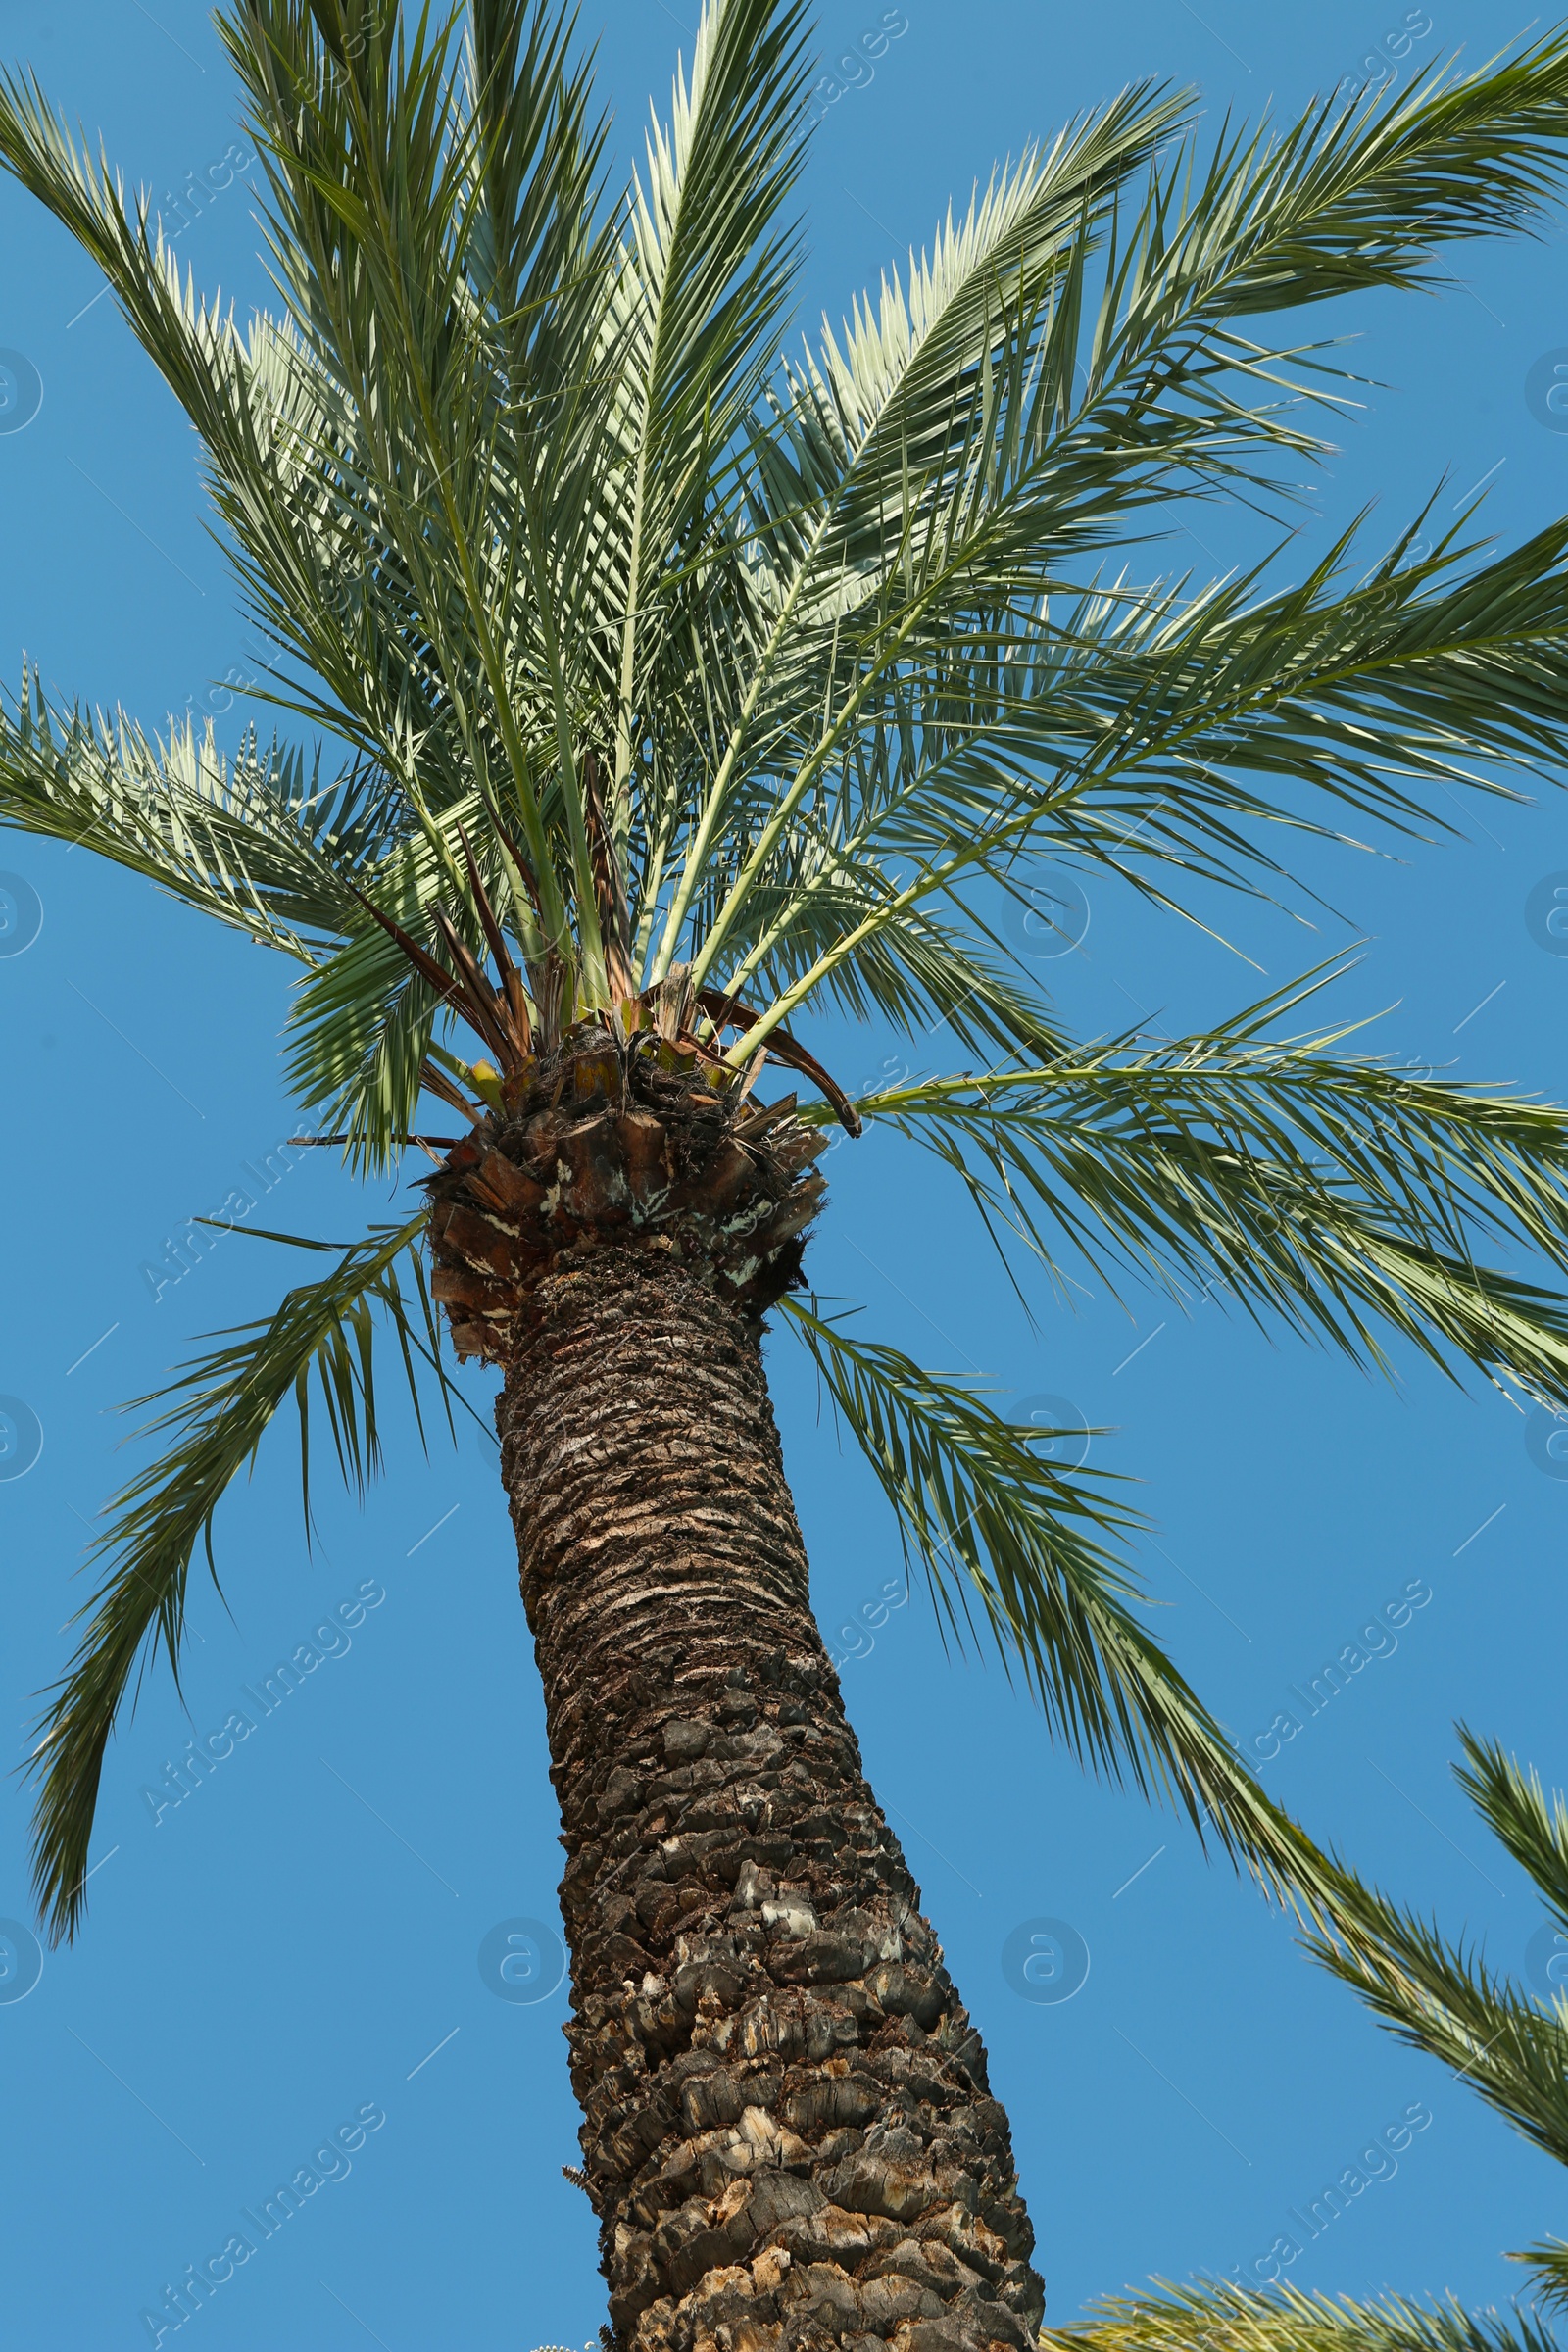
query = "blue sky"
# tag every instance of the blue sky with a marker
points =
(296, 1947)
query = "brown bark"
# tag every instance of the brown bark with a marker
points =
(789, 2141)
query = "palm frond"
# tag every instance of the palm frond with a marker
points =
(1516, 1807)
(995, 1522)
(917, 637)
(826, 498)
(259, 840)
(360, 1027)
(214, 1417)
(1442, 1998)
(711, 266)
(1340, 1192)
(1547, 2264)
(1217, 2316)
(374, 153)
(1191, 722)
(1153, 729)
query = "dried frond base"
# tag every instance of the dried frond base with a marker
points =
(628, 1142)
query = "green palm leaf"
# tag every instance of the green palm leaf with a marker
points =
(996, 1522)
(926, 640)
(257, 840)
(709, 268)
(1442, 1998)
(1342, 1193)
(1439, 1996)
(1219, 2318)
(224, 1405)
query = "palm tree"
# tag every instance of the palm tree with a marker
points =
(1508, 2045)
(653, 694)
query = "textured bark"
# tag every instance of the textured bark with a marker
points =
(789, 2141)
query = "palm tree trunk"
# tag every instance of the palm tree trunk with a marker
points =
(789, 2141)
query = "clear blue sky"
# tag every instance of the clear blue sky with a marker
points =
(276, 1956)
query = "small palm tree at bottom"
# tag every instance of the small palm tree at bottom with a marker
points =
(1220, 2317)
(1444, 2000)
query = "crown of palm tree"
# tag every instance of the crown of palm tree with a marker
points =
(663, 680)
(1494, 2034)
